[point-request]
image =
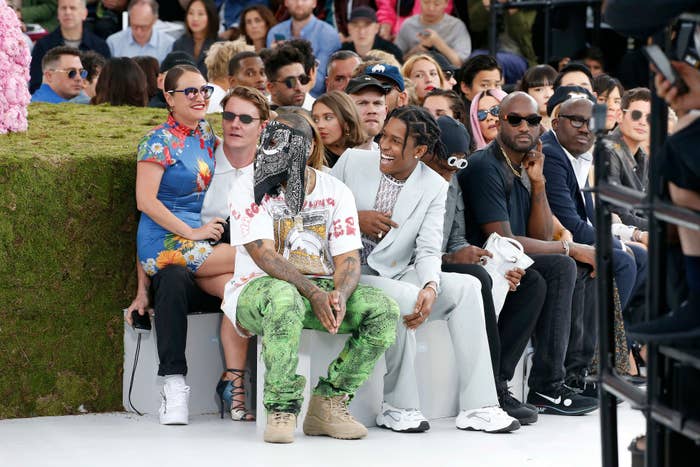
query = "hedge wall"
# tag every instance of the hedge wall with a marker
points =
(67, 249)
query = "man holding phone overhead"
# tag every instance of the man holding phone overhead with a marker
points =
(504, 192)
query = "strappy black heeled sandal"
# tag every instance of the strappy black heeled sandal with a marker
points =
(228, 390)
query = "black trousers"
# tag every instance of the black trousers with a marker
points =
(509, 333)
(584, 323)
(174, 295)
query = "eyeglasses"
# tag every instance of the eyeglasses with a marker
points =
(637, 115)
(244, 118)
(448, 74)
(72, 72)
(457, 162)
(482, 114)
(206, 91)
(291, 81)
(516, 120)
(577, 121)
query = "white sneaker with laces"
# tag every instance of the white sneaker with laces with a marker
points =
(402, 420)
(489, 419)
(174, 403)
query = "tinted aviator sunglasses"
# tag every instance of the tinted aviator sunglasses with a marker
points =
(482, 114)
(244, 118)
(206, 91)
(72, 72)
(516, 120)
(637, 115)
(291, 81)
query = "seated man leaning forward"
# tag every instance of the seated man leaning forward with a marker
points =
(298, 267)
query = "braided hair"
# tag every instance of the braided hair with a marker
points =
(423, 127)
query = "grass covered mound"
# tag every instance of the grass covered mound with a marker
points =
(67, 256)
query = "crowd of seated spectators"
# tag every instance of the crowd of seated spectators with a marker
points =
(377, 84)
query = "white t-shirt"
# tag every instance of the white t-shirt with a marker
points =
(326, 227)
(225, 178)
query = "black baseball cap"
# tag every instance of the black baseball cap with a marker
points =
(453, 135)
(363, 12)
(564, 93)
(361, 82)
(176, 58)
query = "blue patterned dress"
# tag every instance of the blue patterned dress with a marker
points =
(188, 159)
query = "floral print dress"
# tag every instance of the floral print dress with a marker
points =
(187, 156)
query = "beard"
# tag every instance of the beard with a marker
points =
(301, 15)
(511, 143)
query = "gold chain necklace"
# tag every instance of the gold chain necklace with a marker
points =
(510, 164)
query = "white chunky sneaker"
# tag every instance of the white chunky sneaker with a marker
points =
(174, 403)
(489, 419)
(402, 420)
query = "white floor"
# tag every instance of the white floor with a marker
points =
(126, 440)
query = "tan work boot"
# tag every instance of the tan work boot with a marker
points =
(329, 416)
(280, 427)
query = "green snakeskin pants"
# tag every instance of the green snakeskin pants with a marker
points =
(275, 310)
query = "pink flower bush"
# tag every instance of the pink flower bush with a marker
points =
(14, 73)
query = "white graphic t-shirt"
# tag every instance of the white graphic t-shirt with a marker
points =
(327, 226)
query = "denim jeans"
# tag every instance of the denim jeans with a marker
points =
(551, 337)
(584, 322)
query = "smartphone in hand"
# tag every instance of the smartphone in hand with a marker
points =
(659, 59)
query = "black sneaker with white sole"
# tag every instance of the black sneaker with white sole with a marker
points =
(526, 414)
(562, 401)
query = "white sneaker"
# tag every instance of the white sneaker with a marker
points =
(489, 419)
(173, 407)
(402, 420)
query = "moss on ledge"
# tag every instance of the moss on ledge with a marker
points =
(67, 252)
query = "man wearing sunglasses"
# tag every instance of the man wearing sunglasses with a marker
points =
(503, 188)
(288, 82)
(63, 76)
(627, 160)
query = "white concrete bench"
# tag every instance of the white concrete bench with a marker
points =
(205, 363)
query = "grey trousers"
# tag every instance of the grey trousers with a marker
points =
(460, 304)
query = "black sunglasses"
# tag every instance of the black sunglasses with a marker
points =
(516, 120)
(291, 81)
(448, 74)
(72, 72)
(244, 118)
(482, 114)
(637, 115)
(577, 121)
(191, 93)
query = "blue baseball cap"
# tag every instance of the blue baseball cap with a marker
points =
(389, 72)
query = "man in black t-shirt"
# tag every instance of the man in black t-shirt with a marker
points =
(504, 192)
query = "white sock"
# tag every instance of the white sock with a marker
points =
(175, 380)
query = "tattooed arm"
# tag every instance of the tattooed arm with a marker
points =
(346, 277)
(264, 254)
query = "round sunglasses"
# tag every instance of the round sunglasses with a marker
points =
(291, 81)
(244, 118)
(206, 91)
(637, 115)
(457, 162)
(516, 120)
(482, 114)
(72, 72)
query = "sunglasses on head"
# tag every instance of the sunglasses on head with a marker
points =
(457, 162)
(577, 121)
(291, 81)
(482, 114)
(73, 72)
(637, 115)
(516, 120)
(244, 118)
(191, 93)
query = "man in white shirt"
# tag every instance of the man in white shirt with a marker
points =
(140, 38)
(175, 293)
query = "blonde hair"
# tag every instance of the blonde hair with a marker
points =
(408, 67)
(384, 57)
(220, 53)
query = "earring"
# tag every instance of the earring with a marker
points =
(415, 157)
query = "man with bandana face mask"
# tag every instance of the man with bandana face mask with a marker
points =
(297, 267)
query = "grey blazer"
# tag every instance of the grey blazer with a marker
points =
(419, 212)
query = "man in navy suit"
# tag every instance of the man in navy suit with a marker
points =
(568, 158)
